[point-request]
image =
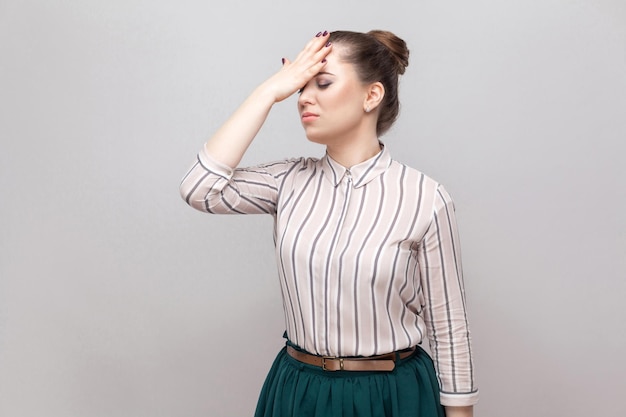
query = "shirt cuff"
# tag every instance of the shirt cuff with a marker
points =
(458, 400)
(213, 165)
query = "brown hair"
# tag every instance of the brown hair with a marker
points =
(381, 56)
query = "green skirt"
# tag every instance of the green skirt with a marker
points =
(295, 389)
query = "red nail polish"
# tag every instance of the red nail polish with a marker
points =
(324, 61)
(327, 44)
(325, 33)
(319, 34)
(283, 61)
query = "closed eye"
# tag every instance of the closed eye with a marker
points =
(320, 85)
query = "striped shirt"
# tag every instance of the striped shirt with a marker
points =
(368, 257)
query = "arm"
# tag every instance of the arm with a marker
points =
(230, 142)
(212, 185)
(444, 307)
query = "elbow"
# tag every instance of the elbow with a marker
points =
(184, 192)
(187, 194)
(201, 199)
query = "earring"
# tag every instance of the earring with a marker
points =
(367, 109)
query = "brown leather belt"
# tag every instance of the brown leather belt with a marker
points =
(386, 362)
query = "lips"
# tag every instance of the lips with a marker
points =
(308, 117)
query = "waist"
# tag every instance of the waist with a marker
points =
(383, 363)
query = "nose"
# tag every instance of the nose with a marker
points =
(306, 96)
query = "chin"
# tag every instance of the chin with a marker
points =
(317, 138)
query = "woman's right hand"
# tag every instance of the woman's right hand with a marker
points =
(295, 75)
(231, 140)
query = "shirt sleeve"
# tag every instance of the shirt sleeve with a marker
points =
(444, 305)
(213, 187)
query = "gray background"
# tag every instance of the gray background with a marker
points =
(116, 299)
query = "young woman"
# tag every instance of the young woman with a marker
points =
(367, 248)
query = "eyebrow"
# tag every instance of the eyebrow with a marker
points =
(324, 73)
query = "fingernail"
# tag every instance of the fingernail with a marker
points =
(319, 34)
(283, 61)
(323, 60)
(327, 44)
(325, 33)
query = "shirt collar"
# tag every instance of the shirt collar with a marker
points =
(361, 173)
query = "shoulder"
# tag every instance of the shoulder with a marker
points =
(429, 188)
(424, 181)
(283, 165)
(289, 169)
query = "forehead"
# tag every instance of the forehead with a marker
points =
(336, 64)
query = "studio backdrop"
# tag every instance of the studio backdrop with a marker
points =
(117, 299)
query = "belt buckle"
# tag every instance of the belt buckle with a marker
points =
(324, 358)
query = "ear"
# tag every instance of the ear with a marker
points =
(375, 95)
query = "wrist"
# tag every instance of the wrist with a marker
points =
(467, 411)
(266, 93)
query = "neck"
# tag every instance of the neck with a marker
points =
(349, 154)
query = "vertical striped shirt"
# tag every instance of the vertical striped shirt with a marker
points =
(368, 257)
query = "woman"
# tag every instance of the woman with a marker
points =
(367, 248)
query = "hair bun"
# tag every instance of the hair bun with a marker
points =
(395, 45)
